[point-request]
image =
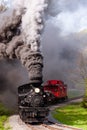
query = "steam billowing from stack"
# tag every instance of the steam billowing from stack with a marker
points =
(20, 35)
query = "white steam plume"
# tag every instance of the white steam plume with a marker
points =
(33, 22)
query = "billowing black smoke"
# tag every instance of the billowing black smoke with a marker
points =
(20, 38)
(12, 74)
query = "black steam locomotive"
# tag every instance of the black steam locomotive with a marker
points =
(32, 103)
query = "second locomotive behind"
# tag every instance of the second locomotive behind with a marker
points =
(57, 91)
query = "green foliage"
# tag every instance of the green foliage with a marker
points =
(4, 111)
(84, 102)
(74, 115)
(4, 114)
(2, 120)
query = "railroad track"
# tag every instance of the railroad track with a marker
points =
(17, 124)
(56, 105)
(51, 126)
(79, 97)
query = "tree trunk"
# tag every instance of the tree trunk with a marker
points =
(84, 102)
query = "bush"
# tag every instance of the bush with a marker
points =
(4, 111)
(84, 102)
(4, 114)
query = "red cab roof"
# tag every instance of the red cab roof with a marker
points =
(53, 82)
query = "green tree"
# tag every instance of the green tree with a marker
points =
(80, 75)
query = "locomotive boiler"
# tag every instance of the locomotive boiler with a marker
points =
(32, 103)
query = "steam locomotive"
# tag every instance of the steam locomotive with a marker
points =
(34, 99)
(32, 103)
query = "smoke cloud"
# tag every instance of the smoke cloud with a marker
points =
(75, 12)
(20, 37)
(12, 74)
(63, 38)
(33, 22)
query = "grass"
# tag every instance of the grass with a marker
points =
(73, 114)
(4, 114)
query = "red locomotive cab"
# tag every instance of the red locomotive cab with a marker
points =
(57, 89)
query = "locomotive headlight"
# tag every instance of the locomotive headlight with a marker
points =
(44, 96)
(37, 90)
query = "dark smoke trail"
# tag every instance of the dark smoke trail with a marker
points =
(23, 42)
(12, 74)
(20, 38)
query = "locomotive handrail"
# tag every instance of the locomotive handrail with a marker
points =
(23, 94)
